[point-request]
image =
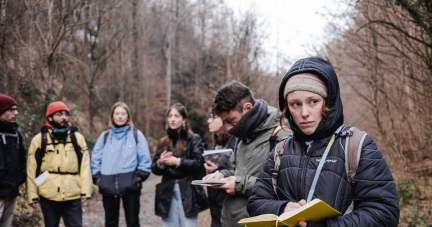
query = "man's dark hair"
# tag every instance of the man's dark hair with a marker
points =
(231, 96)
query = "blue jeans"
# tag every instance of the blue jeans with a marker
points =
(176, 216)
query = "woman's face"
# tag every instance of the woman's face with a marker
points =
(120, 116)
(175, 119)
(305, 108)
(215, 123)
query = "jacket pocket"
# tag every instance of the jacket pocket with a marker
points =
(21, 177)
(108, 185)
(50, 188)
(193, 197)
(4, 179)
(72, 186)
(48, 160)
(164, 194)
(128, 182)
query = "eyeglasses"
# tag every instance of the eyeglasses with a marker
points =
(59, 114)
(12, 110)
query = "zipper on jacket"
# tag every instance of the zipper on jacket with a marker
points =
(116, 184)
(303, 170)
(311, 150)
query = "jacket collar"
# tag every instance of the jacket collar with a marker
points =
(8, 128)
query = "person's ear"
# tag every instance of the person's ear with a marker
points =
(50, 119)
(247, 106)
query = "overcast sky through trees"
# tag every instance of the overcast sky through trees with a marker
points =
(294, 28)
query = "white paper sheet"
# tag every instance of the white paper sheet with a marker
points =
(41, 178)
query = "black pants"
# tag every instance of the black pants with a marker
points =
(216, 198)
(70, 210)
(131, 205)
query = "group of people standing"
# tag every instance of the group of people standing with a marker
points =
(259, 182)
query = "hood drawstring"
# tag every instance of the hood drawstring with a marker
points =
(8, 134)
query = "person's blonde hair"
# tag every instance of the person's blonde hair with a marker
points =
(111, 122)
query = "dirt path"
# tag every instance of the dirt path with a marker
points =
(94, 215)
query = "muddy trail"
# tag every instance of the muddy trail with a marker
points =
(94, 215)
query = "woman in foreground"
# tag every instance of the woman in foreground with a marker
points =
(310, 99)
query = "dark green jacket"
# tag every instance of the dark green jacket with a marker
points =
(249, 158)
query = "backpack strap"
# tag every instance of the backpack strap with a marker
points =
(77, 148)
(273, 138)
(106, 136)
(135, 133)
(353, 147)
(277, 160)
(39, 154)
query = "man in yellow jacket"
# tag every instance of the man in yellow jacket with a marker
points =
(61, 153)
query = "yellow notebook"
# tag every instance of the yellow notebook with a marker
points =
(314, 211)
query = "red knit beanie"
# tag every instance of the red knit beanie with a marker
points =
(56, 107)
(6, 102)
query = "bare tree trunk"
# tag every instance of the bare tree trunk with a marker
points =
(135, 57)
(228, 66)
(91, 109)
(145, 71)
(200, 62)
(122, 75)
(3, 4)
(168, 56)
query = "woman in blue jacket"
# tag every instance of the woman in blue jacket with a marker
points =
(120, 162)
(312, 164)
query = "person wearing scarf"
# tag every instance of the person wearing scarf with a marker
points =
(12, 159)
(179, 160)
(253, 122)
(67, 185)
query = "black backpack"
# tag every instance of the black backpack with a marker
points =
(41, 153)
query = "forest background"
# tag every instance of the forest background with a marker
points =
(150, 54)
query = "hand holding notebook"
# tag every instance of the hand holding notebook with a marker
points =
(314, 211)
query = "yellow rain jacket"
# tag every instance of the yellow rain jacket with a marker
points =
(60, 158)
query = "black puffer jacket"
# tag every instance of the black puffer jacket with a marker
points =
(12, 161)
(374, 190)
(191, 168)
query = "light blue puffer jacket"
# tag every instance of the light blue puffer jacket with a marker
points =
(122, 163)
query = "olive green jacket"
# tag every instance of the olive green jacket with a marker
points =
(249, 158)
